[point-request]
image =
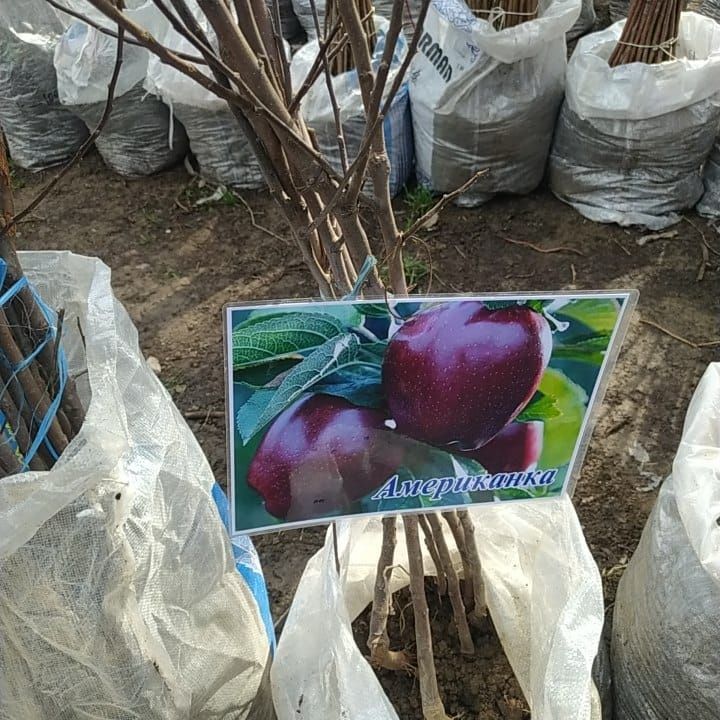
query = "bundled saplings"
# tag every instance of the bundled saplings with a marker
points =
(40, 410)
(340, 51)
(640, 117)
(650, 33)
(505, 13)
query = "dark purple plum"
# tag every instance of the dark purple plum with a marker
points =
(322, 454)
(458, 373)
(516, 448)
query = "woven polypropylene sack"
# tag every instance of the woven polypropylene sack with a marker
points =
(221, 148)
(543, 591)
(631, 141)
(709, 205)
(318, 112)
(140, 137)
(119, 593)
(585, 22)
(487, 100)
(666, 628)
(39, 131)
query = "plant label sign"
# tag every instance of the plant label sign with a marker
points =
(342, 408)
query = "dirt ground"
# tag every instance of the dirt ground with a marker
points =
(175, 266)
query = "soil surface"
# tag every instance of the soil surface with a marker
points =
(175, 265)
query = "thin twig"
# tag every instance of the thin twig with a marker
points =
(440, 204)
(257, 225)
(82, 150)
(340, 135)
(315, 69)
(537, 248)
(679, 338)
(204, 414)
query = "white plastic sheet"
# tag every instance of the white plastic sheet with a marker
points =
(631, 141)
(119, 594)
(666, 630)
(544, 595)
(484, 99)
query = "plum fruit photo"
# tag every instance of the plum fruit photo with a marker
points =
(340, 408)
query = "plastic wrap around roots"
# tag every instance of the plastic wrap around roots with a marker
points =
(631, 141)
(140, 137)
(543, 591)
(666, 628)
(487, 100)
(120, 594)
(40, 132)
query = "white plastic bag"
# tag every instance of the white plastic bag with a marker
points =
(543, 591)
(139, 137)
(666, 630)
(631, 141)
(40, 132)
(119, 595)
(221, 148)
(484, 99)
(318, 111)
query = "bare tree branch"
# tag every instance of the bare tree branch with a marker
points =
(82, 150)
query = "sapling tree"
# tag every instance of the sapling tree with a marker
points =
(239, 56)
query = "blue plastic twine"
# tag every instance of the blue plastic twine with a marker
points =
(41, 432)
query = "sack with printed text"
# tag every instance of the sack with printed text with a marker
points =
(484, 99)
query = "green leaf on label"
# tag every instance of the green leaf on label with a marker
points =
(541, 407)
(333, 355)
(247, 416)
(599, 315)
(500, 304)
(344, 312)
(560, 433)
(373, 352)
(261, 375)
(378, 310)
(590, 349)
(360, 385)
(537, 305)
(267, 339)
